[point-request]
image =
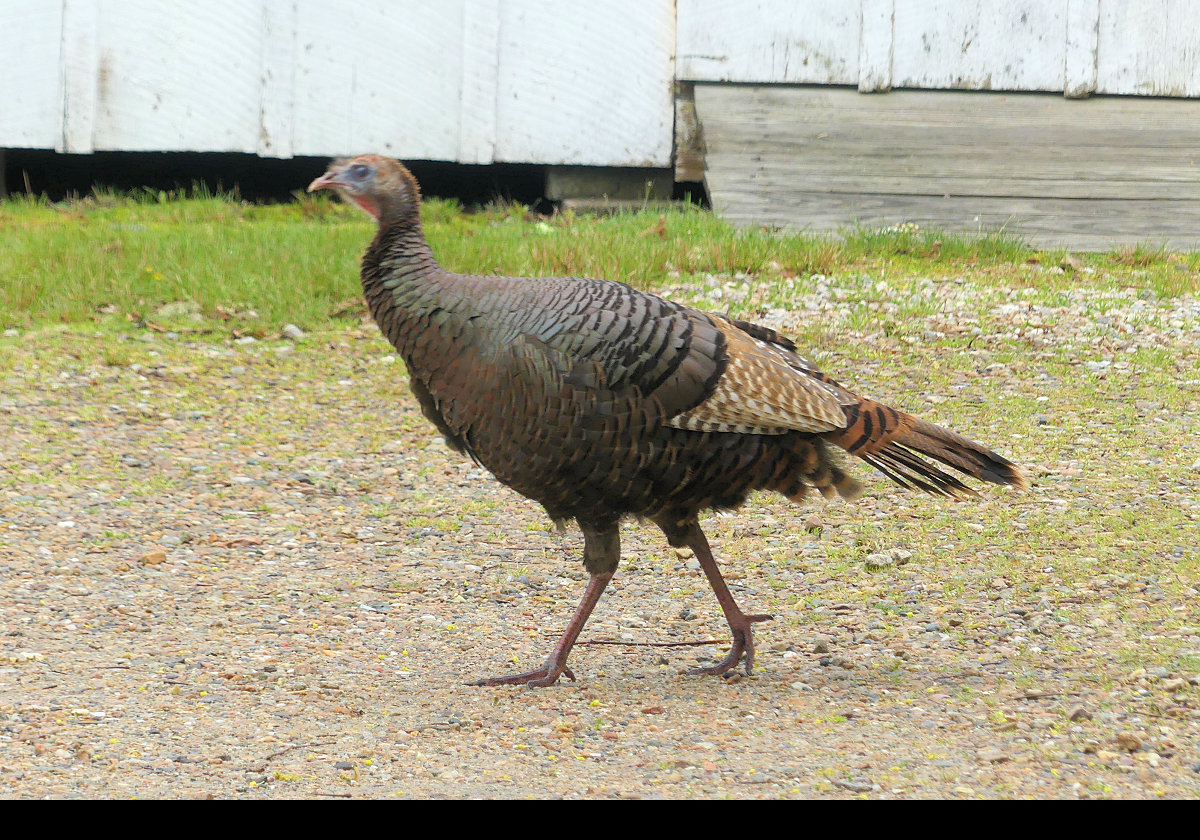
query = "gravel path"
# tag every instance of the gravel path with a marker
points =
(249, 569)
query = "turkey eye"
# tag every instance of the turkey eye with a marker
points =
(359, 171)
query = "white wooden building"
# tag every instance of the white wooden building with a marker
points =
(1069, 99)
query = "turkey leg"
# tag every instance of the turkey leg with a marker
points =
(739, 622)
(601, 554)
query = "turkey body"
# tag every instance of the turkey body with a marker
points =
(563, 389)
(601, 402)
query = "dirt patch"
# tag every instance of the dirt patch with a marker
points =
(252, 570)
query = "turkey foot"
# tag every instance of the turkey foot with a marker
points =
(556, 663)
(743, 642)
(548, 674)
(739, 622)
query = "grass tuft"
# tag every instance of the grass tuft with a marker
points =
(134, 255)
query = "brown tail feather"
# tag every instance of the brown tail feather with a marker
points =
(892, 442)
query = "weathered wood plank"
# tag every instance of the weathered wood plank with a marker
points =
(689, 140)
(1082, 226)
(1081, 173)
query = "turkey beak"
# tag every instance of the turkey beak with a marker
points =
(328, 181)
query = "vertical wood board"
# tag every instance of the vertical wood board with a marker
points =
(378, 76)
(177, 77)
(30, 44)
(803, 42)
(585, 83)
(277, 77)
(983, 45)
(1149, 48)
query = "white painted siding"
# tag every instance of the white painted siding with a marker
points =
(30, 42)
(1149, 48)
(554, 81)
(1079, 47)
(806, 42)
(538, 81)
(984, 45)
(577, 79)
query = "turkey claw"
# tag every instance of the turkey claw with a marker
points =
(743, 642)
(547, 675)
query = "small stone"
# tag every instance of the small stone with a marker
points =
(246, 339)
(153, 558)
(994, 757)
(1071, 263)
(820, 646)
(11, 333)
(1079, 713)
(855, 785)
(1174, 684)
(879, 561)
(292, 332)
(1128, 741)
(812, 522)
(1159, 673)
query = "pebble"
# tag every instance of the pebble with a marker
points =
(246, 339)
(879, 560)
(1079, 713)
(855, 785)
(292, 332)
(1129, 741)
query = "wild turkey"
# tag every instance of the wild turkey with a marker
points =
(603, 402)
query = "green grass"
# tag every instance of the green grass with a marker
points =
(233, 266)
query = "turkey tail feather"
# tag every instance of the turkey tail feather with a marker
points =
(893, 443)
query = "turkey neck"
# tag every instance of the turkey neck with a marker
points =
(402, 282)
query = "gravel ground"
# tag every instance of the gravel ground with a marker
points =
(248, 569)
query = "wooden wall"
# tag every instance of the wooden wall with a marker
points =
(477, 81)
(1079, 47)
